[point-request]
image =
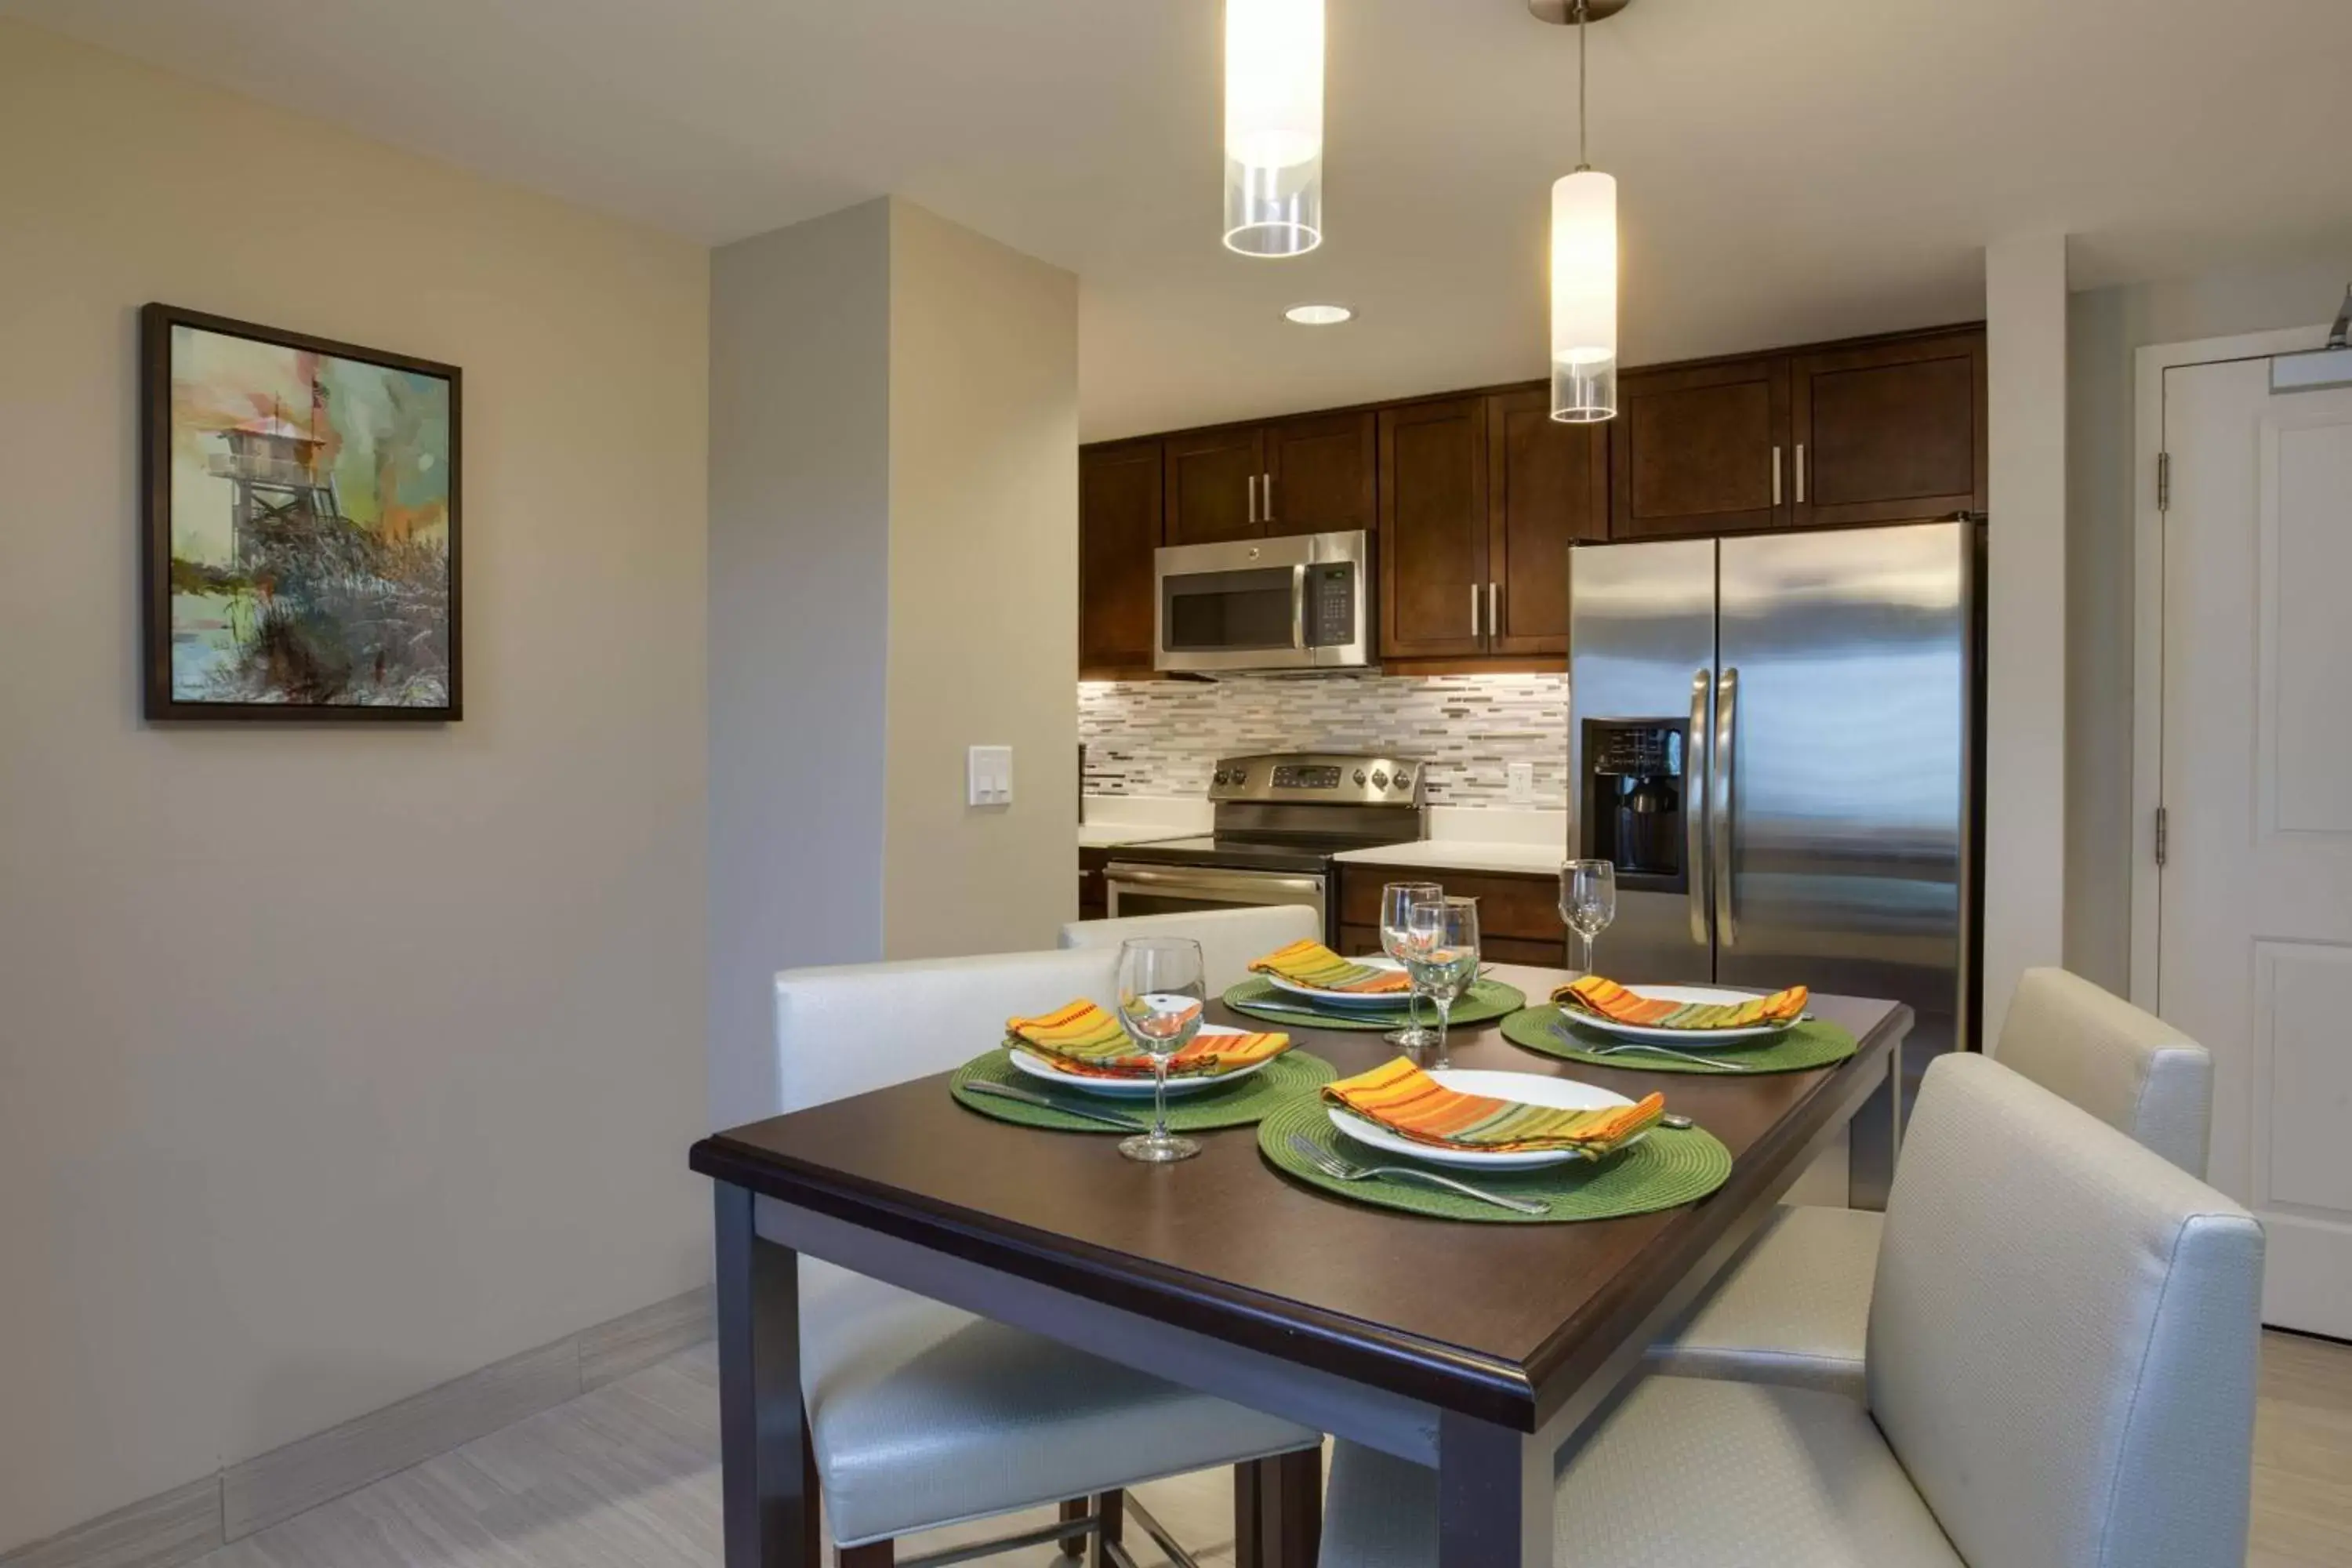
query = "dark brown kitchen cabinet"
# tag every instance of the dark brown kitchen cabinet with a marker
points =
(1119, 515)
(1547, 487)
(1434, 529)
(1213, 486)
(1700, 450)
(1319, 474)
(1518, 915)
(1888, 432)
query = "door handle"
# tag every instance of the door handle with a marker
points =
(1726, 769)
(1494, 618)
(1776, 474)
(1693, 810)
(1800, 473)
(1266, 482)
(1298, 607)
(1473, 609)
(1252, 499)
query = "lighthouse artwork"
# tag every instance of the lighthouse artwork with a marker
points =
(301, 531)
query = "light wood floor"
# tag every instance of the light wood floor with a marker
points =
(628, 1477)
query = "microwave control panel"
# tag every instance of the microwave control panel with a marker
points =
(1331, 605)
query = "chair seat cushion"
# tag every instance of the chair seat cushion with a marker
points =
(1794, 1309)
(1684, 1472)
(922, 1415)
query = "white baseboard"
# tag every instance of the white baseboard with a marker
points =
(182, 1524)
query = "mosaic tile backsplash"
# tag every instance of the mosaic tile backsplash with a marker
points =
(1162, 737)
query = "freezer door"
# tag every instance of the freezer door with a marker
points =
(1641, 645)
(1838, 786)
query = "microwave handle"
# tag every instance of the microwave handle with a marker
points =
(1298, 607)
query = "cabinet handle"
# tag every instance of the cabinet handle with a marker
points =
(1267, 481)
(1800, 473)
(1253, 499)
(1473, 609)
(1494, 620)
(1776, 474)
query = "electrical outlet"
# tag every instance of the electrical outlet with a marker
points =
(988, 775)
(1520, 789)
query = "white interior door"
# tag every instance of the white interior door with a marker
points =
(2255, 908)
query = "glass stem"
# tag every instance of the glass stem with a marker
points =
(1586, 938)
(1444, 1017)
(1159, 1100)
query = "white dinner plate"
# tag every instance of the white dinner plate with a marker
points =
(1697, 1039)
(1349, 998)
(1136, 1088)
(1526, 1087)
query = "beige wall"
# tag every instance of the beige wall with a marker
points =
(2106, 328)
(983, 603)
(2025, 607)
(333, 1062)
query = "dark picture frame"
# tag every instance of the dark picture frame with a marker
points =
(162, 701)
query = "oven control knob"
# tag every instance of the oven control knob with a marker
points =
(1360, 775)
(1218, 777)
(1404, 779)
(1379, 780)
(1241, 775)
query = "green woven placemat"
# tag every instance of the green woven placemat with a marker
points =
(1811, 1044)
(1485, 1001)
(1292, 1074)
(1663, 1169)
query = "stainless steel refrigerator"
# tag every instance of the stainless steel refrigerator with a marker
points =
(1775, 738)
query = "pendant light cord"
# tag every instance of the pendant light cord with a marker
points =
(1582, 163)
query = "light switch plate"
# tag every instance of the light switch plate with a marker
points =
(1520, 782)
(988, 775)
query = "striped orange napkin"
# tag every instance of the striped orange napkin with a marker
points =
(1308, 962)
(1083, 1039)
(1607, 999)
(1407, 1100)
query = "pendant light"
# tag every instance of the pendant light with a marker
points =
(1274, 126)
(1584, 256)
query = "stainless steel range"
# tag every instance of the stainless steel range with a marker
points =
(1280, 819)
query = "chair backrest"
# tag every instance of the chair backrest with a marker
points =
(853, 1027)
(2128, 1067)
(2063, 1334)
(1229, 938)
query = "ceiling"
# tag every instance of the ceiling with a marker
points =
(1789, 171)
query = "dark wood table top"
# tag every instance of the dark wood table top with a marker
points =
(1489, 1319)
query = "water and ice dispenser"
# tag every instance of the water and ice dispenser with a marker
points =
(1632, 799)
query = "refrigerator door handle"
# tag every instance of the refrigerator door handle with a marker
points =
(1724, 765)
(1693, 825)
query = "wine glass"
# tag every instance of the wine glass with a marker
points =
(1587, 900)
(1397, 900)
(1442, 957)
(1162, 987)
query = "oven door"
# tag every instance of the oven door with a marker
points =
(1298, 603)
(1180, 890)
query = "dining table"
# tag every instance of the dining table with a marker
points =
(1484, 1352)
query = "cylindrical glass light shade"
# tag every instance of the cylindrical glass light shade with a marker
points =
(1584, 298)
(1274, 126)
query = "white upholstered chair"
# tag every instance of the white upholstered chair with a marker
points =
(920, 1414)
(1229, 938)
(2061, 1361)
(1792, 1308)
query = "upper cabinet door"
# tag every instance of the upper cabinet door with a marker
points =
(1433, 527)
(1547, 487)
(1890, 432)
(1319, 474)
(1213, 486)
(1118, 527)
(1701, 451)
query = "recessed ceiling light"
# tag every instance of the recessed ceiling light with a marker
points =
(1318, 315)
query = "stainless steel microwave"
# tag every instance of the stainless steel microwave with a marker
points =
(1299, 603)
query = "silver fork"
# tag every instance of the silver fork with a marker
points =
(1340, 1170)
(1560, 1033)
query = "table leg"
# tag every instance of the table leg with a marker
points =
(1494, 1497)
(1278, 1510)
(767, 1506)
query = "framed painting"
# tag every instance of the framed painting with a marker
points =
(301, 531)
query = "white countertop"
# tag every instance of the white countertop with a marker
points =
(1110, 820)
(1468, 839)
(1110, 834)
